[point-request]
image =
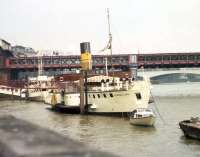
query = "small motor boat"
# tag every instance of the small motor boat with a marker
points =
(143, 116)
(191, 128)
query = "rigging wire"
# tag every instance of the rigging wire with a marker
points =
(156, 108)
(120, 43)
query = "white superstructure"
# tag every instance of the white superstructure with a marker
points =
(38, 87)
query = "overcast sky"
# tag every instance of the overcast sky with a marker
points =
(144, 25)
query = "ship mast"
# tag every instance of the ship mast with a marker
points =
(110, 35)
(109, 45)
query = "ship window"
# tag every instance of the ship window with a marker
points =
(104, 95)
(138, 95)
(89, 95)
(98, 95)
(111, 95)
(93, 96)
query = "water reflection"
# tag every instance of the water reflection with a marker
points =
(143, 129)
(189, 89)
(189, 141)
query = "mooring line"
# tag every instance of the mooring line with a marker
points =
(157, 110)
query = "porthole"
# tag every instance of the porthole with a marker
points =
(98, 95)
(138, 96)
(102, 81)
(104, 95)
(111, 95)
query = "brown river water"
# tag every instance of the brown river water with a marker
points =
(115, 134)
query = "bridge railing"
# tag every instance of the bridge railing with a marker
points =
(166, 69)
(67, 61)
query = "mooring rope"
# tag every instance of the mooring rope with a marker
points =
(157, 110)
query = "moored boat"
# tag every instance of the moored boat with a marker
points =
(143, 117)
(38, 87)
(108, 92)
(107, 95)
(191, 128)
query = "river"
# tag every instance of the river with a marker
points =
(115, 134)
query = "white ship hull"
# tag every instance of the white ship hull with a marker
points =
(71, 100)
(144, 121)
(120, 101)
(37, 95)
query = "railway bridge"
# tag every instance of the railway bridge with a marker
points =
(155, 64)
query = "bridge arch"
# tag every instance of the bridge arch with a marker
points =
(172, 75)
(176, 77)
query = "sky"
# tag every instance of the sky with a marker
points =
(137, 26)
